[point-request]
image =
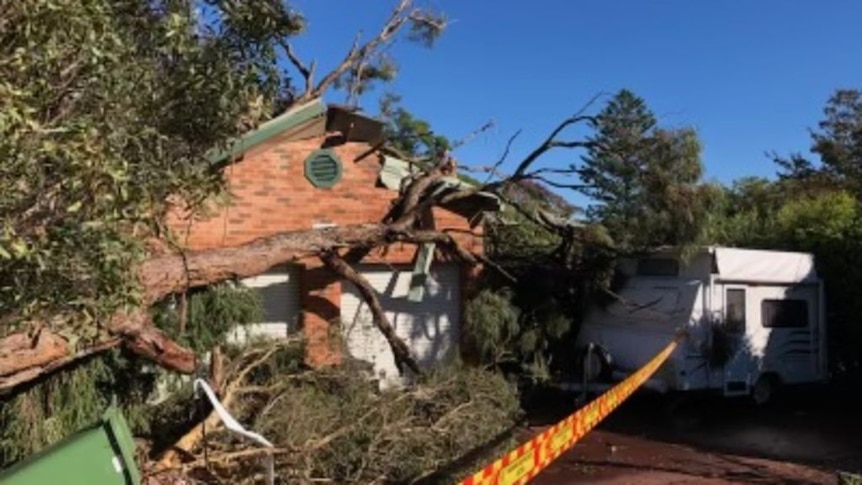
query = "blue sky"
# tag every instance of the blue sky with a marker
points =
(751, 76)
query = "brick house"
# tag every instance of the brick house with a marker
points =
(317, 166)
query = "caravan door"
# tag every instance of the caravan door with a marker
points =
(739, 366)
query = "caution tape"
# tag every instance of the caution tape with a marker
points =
(526, 461)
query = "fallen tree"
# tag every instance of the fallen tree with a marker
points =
(78, 203)
(26, 355)
(58, 319)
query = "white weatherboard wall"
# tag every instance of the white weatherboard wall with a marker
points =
(430, 327)
(279, 290)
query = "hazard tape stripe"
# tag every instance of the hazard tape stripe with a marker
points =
(520, 465)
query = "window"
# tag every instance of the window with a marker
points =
(323, 168)
(784, 313)
(734, 310)
(658, 267)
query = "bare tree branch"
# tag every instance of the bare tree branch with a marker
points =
(399, 349)
(228, 395)
(357, 53)
(493, 170)
(550, 143)
(559, 185)
(472, 135)
(307, 72)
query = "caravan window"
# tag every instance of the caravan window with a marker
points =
(734, 310)
(784, 313)
(658, 267)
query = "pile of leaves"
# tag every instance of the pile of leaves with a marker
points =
(334, 425)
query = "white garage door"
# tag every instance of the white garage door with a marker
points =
(430, 327)
(279, 290)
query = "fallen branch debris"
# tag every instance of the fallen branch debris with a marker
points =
(335, 426)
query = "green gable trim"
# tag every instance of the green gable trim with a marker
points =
(295, 116)
(323, 168)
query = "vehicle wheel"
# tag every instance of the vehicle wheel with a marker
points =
(598, 362)
(764, 389)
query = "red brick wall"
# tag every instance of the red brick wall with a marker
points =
(270, 194)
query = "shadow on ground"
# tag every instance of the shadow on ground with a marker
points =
(821, 426)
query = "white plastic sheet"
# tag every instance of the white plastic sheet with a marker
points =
(233, 425)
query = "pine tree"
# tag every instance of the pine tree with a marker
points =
(644, 180)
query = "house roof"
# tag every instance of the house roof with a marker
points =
(292, 118)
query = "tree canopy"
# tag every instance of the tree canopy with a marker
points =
(837, 143)
(645, 180)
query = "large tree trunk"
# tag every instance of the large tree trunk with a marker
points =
(25, 357)
(165, 275)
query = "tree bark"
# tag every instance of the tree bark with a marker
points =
(165, 275)
(24, 357)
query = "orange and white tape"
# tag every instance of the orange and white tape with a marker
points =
(523, 463)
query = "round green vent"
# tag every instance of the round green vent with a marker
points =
(323, 168)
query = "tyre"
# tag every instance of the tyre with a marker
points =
(596, 365)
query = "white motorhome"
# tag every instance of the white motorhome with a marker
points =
(753, 320)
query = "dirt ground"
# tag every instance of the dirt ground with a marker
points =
(801, 439)
(612, 458)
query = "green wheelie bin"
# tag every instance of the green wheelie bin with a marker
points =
(103, 454)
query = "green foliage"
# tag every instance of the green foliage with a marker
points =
(810, 222)
(409, 134)
(645, 180)
(837, 143)
(212, 313)
(491, 326)
(72, 399)
(515, 235)
(746, 213)
(68, 402)
(107, 108)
